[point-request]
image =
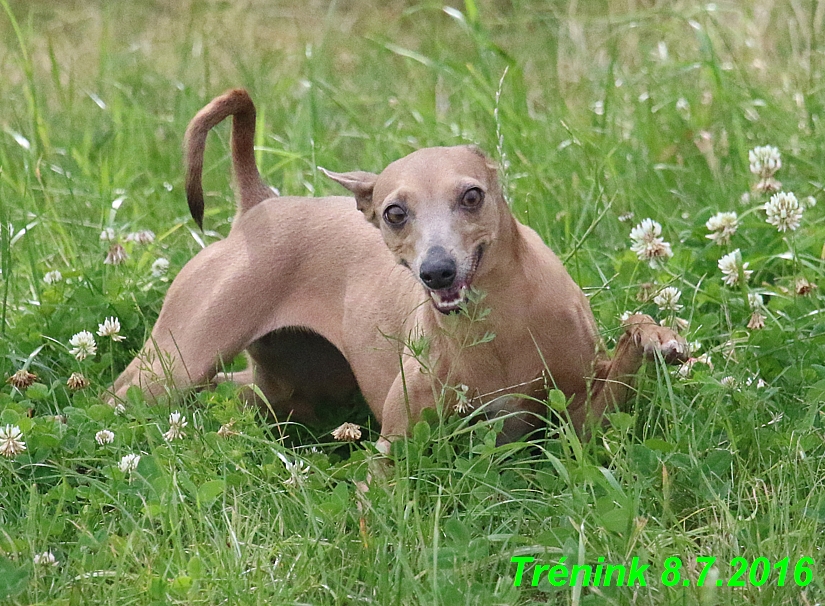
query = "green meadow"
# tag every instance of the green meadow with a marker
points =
(601, 114)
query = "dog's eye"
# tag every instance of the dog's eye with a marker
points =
(472, 198)
(395, 215)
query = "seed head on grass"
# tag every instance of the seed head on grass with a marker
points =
(83, 345)
(803, 287)
(347, 432)
(11, 443)
(129, 463)
(145, 236)
(722, 226)
(22, 379)
(227, 430)
(77, 381)
(116, 255)
(648, 243)
(176, 424)
(668, 299)
(734, 269)
(757, 321)
(110, 328)
(784, 212)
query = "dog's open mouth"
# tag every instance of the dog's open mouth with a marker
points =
(449, 300)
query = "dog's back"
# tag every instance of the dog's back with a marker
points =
(250, 188)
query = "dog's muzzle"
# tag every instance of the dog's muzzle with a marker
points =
(439, 269)
(439, 273)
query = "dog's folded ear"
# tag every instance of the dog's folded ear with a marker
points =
(361, 184)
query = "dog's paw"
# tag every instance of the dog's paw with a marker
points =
(655, 340)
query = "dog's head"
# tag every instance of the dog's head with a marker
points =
(440, 211)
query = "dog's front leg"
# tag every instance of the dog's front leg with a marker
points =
(411, 392)
(642, 340)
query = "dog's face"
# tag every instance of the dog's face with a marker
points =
(439, 211)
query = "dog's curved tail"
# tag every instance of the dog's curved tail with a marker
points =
(250, 188)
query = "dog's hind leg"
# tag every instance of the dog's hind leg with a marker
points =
(210, 314)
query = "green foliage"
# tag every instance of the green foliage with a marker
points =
(600, 117)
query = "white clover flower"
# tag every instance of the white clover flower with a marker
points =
(145, 236)
(463, 403)
(668, 299)
(625, 217)
(347, 432)
(733, 268)
(116, 255)
(808, 202)
(298, 472)
(11, 443)
(685, 369)
(722, 226)
(83, 345)
(176, 424)
(680, 325)
(760, 382)
(160, 267)
(784, 211)
(45, 559)
(104, 436)
(683, 107)
(53, 277)
(107, 235)
(110, 328)
(705, 359)
(729, 382)
(129, 463)
(764, 161)
(648, 244)
(755, 300)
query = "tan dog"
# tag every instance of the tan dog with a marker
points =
(439, 288)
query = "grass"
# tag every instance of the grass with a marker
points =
(580, 102)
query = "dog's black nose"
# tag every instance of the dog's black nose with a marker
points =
(438, 269)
